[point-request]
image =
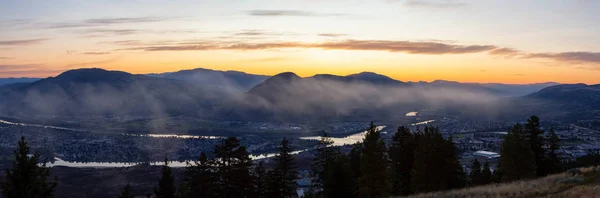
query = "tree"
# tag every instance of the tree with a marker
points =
(127, 192)
(354, 160)
(233, 166)
(283, 177)
(486, 174)
(338, 179)
(198, 180)
(475, 176)
(436, 165)
(554, 163)
(166, 183)
(27, 178)
(373, 165)
(402, 152)
(517, 160)
(536, 141)
(260, 180)
(323, 160)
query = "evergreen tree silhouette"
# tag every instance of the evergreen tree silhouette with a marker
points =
(166, 183)
(373, 165)
(27, 178)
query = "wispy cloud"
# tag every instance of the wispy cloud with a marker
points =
(96, 53)
(406, 47)
(290, 13)
(32, 70)
(22, 42)
(370, 45)
(331, 35)
(431, 4)
(99, 63)
(571, 57)
(108, 21)
(5, 58)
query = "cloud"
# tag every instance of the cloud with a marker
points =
(371, 45)
(406, 47)
(108, 21)
(96, 53)
(505, 52)
(22, 42)
(109, 32)
(331, 35)
(570, 57)
(5, 58)
(434, 4)
(99, 63)
(290, 13)
(32, 70)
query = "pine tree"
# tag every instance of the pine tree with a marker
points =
(402, 151)
(517, 160)
(475, 176)
(198, 180)
(127, 192)
(536, 140)
(283, 177)
(338, 181)
(374, 163)
(260, 180)
(233, 169)
(457, 177)
(354, 160)
(486, 174)
(323, 160)
(27, 178)
(436, 165)
(166, 184)
(554, 163)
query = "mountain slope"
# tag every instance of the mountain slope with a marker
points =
(97, 92)
(222, 79)
(559, 185)
(6, 81)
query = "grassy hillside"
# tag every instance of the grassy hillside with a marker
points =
(586, 184)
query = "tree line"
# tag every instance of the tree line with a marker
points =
(412, 162)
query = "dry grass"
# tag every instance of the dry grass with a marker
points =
(559, 185)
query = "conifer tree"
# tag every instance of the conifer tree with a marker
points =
(127, 192)
(323, 160)
(166, 183)
(27, 178)
(475, 176)
(354, 160)
(233, 166)
(436, 166)
(536, 141)
(260, 180)
(283, 177)
(338, 182)
(198, 180)
(486, 174)
(402, 151)
(554, 163)
(517, 160)
(373, 165)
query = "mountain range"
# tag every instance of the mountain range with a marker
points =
(232, 95)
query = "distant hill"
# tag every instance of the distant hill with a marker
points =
(518, 89)
(498, 89)
(95, 92)
(563, 102)
(5, 81)
(222, 79)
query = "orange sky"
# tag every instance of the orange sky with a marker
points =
(466, 41)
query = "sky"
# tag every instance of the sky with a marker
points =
(506, 41)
